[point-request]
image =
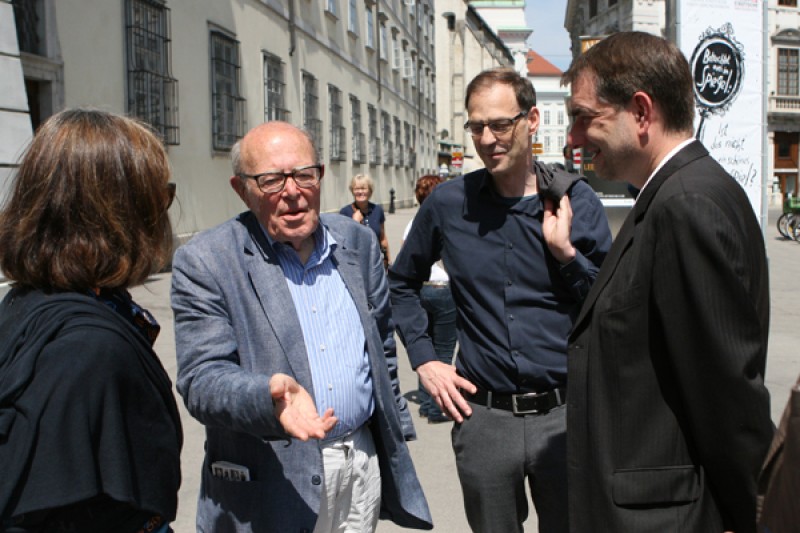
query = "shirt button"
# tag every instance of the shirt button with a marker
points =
(508, 282)
(511, 317)
(515, 353)
(313, 308)
(330, 386)
(322, 347)
(316, 480)
(510, 246)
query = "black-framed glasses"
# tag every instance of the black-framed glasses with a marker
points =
(273, 181)
(498, 126)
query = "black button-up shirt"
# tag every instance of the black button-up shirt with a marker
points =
(516, 304)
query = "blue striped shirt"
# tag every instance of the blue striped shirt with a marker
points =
(332, 331)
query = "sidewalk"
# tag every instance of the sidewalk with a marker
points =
(432, 454)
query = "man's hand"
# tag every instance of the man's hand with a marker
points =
(296, 411)
(443, 384)
(556, 223)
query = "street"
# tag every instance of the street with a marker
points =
(432, 454)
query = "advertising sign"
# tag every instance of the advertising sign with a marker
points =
(726, 58)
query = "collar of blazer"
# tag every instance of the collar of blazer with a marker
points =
(691, 152)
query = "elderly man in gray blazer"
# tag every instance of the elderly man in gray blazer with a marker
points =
(286, 354)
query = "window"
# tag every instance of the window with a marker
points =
(547, 144)
(374, 135)
(27, 17)
(388, 149)
(227, 106)
(274, 87)
(592, 8)
(358, 135)
(152, 91)
(397, 53)
(352, 21)
(332, 8)
(398, 142)
(560, 145)
(370, 18)
(560, 117)
(612, 3)
(408, 143)
(337, 129)
(788, 71)
(546, 118)
(790, 3)
(311, 120)
(384, 43)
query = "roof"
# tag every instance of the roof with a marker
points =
(539, 66)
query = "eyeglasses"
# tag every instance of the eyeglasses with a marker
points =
(501, 125)
(273, 181)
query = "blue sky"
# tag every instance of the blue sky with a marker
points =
(549, 37)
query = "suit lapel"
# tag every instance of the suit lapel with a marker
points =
(624, 239)
(269, 285)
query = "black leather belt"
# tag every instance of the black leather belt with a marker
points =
(529, 403)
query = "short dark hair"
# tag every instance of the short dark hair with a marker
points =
(523, 88)
(627, 62)
(425, 185)
(88, 205)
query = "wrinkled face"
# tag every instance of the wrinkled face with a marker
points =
(606, 131)
(361, 192)
(291, 215)
(509, 153)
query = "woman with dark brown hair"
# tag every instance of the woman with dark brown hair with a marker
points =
(90, 435)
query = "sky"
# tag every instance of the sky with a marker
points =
(549, 37)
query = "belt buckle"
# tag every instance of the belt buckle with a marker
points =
(515, 408)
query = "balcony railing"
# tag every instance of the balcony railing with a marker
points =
(784, 104)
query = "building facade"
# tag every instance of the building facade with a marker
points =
(551, 99)
(507, 20)
(465, 45)
(358, 74)
(596, 18)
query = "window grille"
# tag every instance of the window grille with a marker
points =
(274, 89)
(228, 110)
(337, 129)
(311, 120)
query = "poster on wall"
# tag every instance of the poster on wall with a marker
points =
(723, 41)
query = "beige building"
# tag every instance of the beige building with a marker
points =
(359, 74)
(551, 99)
(465, 45)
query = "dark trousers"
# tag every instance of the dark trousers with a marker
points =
(495, 453)
(437, 300)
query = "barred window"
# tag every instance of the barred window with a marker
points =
(374, 136)
(358, 135)
(227, 112)
(152, 91)
(337, 129)
(398, 141)
(311, 120)
(274, 88)
(386, 127)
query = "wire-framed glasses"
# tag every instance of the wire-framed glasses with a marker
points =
(273, 181)
(498, 126)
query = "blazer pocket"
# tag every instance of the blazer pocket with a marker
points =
(656, 486)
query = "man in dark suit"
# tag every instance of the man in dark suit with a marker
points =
(286, 354)
(668, 416)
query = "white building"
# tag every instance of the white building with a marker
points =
(465, 46)
(551, 100)
(359, 74)
(595, 18)
(507, 20)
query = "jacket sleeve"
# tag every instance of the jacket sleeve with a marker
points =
(216, 389)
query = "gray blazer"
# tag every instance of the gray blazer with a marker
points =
(235, 326)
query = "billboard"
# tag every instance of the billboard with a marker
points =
(726, 57)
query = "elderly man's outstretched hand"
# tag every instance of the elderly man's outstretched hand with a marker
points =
(296, 411)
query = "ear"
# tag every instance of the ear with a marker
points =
(533, 120)
(643, 111)
(238, 185)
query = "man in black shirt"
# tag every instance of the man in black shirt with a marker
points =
(518, 277)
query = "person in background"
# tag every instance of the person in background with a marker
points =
(668, 415)
(286, 354)
(518, 277)
(437, 300)
(90, 435)
(367, 213)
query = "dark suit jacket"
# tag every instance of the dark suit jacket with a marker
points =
(235, 326)
(668, 417)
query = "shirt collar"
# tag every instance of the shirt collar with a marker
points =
(324, 245)
(663, 162)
